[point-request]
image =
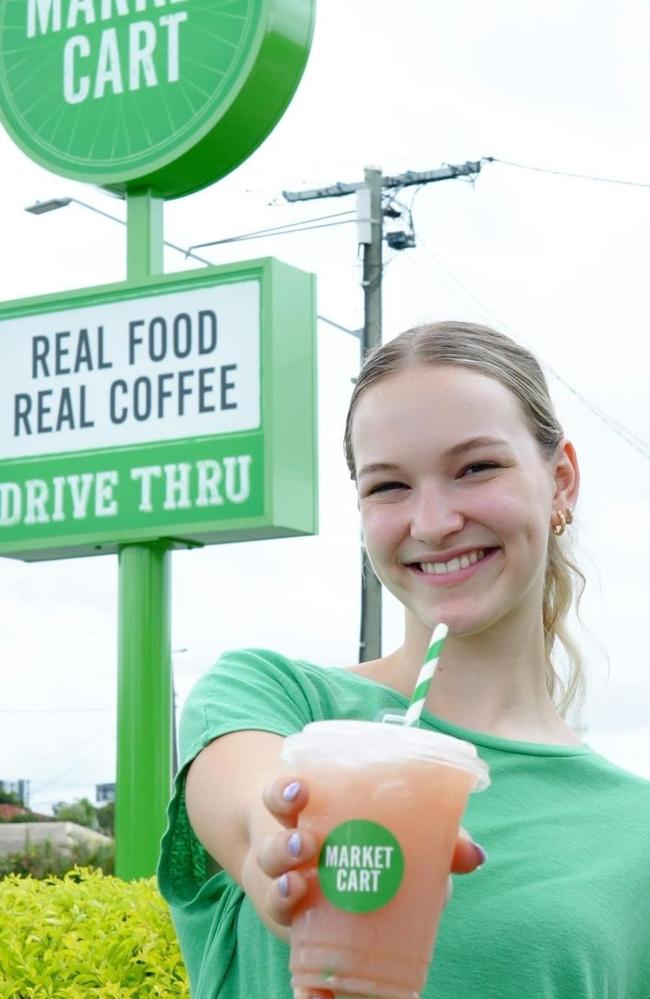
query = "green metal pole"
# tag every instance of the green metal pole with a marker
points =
(144, 235)
(144, 729)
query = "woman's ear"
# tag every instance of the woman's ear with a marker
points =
(567, 475)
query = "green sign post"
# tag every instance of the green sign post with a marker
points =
(165, 411)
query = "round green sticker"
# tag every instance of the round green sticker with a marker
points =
(170, 94)
(360, 866)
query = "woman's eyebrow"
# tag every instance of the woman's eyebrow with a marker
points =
(452, 452)
(474, 442)
(377, 466)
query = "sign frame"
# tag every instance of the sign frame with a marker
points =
(288, 432)
(233, 76)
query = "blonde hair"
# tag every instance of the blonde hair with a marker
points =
(493, 354)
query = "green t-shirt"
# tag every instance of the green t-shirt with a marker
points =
(561, 910)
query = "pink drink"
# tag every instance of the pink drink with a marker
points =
(385, 803)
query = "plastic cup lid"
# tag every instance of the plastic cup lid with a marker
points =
(360, 742)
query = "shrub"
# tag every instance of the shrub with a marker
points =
(82, 812)
(87, 935)
(9, 798)
(42, 860)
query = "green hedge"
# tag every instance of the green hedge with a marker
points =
(87, 934)
(46, 859)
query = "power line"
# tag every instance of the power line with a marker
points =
(50, 711)
(279, 230)
(34, 791)
(565, 173)
(627, 435)
(338, 326)
(485, 311)
(57, 750)
(448, 288)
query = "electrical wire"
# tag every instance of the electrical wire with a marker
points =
(338, 326)
(49, 711)
(627, 435)
(58, 750)
(443, 284)
(484, 310)
(75, 766)
(565, 173)
(304, 226)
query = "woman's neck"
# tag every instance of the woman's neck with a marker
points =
(493, 683)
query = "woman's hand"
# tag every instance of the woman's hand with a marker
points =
(281, 853)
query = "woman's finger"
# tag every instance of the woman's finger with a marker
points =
(283, 851)
(283, 896)
(285, 798)
(467, 855)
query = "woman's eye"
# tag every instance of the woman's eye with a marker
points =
(384, 487)
(478, 466)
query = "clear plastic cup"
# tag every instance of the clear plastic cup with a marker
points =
(385, 804)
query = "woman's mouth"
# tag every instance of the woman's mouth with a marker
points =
(455, 569)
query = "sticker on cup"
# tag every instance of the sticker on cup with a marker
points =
(360, 866)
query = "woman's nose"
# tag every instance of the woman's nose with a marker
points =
(434, 516)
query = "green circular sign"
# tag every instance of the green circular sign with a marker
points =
(360, 866)
(168, 94)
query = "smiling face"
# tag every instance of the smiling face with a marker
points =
(456, 497)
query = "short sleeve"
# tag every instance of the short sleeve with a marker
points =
(247, 689)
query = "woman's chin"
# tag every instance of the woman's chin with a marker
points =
(461, 622)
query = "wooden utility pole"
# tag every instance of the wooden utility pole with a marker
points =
(370, 628)
(371, 226)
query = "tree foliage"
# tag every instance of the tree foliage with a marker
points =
(9, 798)
(45, 860)
(82, 811)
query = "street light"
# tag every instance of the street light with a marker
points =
(43, 207)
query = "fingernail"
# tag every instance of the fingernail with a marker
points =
(283, 885)
(294, 844)
(482, 854)
(291, 791)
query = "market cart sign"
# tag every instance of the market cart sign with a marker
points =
(181, 408)
(167, 94)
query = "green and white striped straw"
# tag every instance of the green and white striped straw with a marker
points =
(425, 676)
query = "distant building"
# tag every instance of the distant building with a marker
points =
(104, 792)
(18, 787)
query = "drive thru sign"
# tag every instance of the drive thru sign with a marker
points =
(183, 408)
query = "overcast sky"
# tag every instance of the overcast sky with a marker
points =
(560, 263)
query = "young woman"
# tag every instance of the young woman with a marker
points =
(466, 489)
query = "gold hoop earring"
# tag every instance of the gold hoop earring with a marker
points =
(558, 529)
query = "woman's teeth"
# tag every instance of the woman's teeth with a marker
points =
(454, 564)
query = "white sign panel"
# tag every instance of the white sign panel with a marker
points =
(159, 368)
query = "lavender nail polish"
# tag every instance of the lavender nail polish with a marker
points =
(294, 844)
(283, 885)
(482, 854)
(290, 792)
